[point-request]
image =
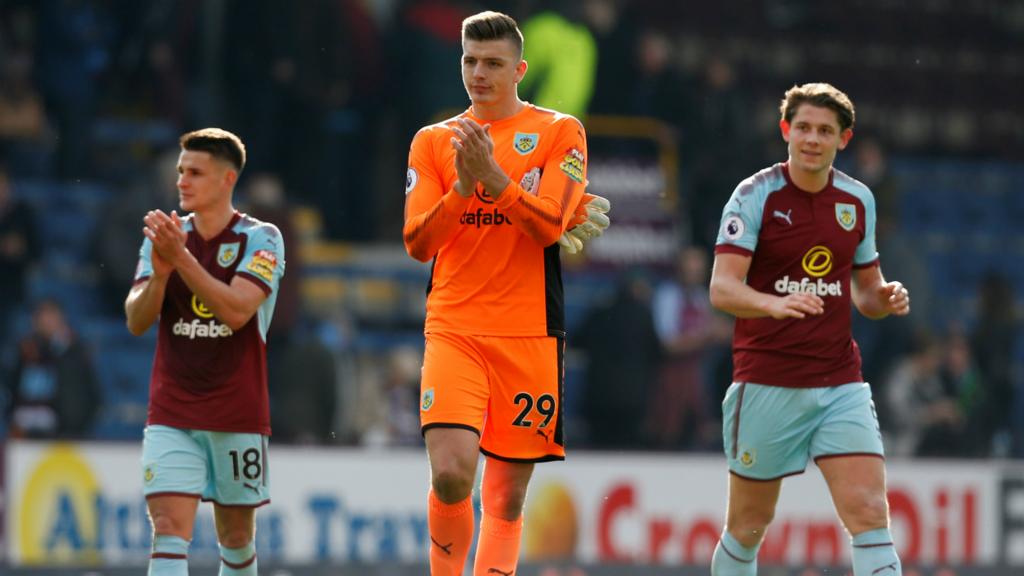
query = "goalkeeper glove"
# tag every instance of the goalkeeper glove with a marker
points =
(589, 221)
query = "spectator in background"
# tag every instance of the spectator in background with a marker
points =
(562, 56)
(264, 199)
(309, 405)
(259, 78)
(427, 39)
(115, 246)
(660, 90)
(962, 380)
(17, 25)
(680, 410)
(73, 43)
(424, 42)
(303, 408)
(402, 396)
(615, 33)
(352, 122)
(19, 249)
(623, 355)
(386, 391)
(722, 153)
(993, 343)
(54, 391)
(305, 83)
(884, 342)
(872, 168)
(924, 418)
(22, 117)
(148, 78)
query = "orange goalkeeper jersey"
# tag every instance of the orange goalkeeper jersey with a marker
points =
(496, 268)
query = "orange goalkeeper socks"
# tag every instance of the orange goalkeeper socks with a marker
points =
(497, 551)
(451, 535)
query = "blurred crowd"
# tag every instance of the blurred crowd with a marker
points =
(326, 94)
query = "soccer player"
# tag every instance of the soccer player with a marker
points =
(792, 237)
(489, 192)
(211, 279)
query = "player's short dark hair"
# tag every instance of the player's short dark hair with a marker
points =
(493, 26)
(819, 94)
(219, 143)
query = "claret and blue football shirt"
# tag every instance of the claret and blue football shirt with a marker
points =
(799, 242)
(205, 375)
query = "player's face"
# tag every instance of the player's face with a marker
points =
(491, 69)
(203, 182)
(814, 138)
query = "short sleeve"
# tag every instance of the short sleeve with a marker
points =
(867, 251)
(741, 219)
(144, 268)
(263, 261)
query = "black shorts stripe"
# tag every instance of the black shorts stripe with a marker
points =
(559, 428)
(425, 427)
(224, 505)
(845, 454)
(537, 460)
(772, 479)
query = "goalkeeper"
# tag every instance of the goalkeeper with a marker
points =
(488, 195)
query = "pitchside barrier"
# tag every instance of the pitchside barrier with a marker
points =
(81, 505)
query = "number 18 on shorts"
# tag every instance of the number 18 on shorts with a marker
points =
(228, 468)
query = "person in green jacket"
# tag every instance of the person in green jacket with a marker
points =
(563, 62)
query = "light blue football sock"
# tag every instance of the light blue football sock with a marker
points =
(238, 561)
(169, 556)
(733, 559)
(874, 554)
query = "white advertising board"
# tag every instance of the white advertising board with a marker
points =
(82, 503)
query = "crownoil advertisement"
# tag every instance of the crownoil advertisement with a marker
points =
(82, 504)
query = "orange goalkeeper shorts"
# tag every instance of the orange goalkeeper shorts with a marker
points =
(506, 389)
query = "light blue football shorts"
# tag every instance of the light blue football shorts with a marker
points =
(771, 431)
(228, 468)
